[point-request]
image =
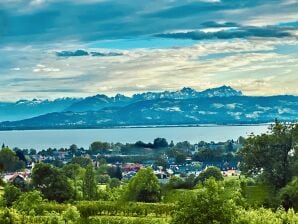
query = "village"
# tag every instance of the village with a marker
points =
(181, 160)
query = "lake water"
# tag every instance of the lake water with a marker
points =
(43, 139)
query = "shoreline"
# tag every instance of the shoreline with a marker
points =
(135, 127)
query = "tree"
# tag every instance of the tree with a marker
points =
(144, 187)
(99, 147)
(115, 172)
(73, 171)
(160, 143)
(53, 184)
(82, 161)
(11, 194)
(269, 155)
(9, 161)
(209, 205)
(73, 149)
(208, 173)
(289, 195)
(161, 160)
(89, 184)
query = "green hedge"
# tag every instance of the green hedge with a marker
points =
(125, 220)
(95, 208)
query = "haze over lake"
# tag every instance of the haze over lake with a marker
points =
(43, 139)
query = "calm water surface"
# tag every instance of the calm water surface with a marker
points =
(43, 139)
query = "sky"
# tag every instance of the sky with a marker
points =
(75, 48)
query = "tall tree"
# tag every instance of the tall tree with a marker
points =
(270, 155)
(89, 184)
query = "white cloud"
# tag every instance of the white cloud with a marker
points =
(252, 66)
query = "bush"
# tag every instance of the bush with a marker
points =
(209, 205)
(11, 194)
(289, 195)
(29, 203)
(124, 220)
(95, 208)
(266, 216)
(71, 215)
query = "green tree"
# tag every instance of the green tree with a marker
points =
(89, 184)
(160, 143)
(269, 155)
(29, 202)
(208, 173)
(73, 171)
(11, 194)
(289, 195)
(53, 184)
(99, 147)
(82, 161)
(9, 160)
(209, 205)
(144, 187)
(115, 172)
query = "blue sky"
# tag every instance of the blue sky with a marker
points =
(61, 48)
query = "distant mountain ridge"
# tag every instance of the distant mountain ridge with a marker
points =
(24, 109)
(222, 105)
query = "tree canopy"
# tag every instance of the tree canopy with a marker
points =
(53, 184)
(208, 205)
(208, 173)
(271, 155)
(9, 161)
(144, 187)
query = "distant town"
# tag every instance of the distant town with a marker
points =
(165, 158)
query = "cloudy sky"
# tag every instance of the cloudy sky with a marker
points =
(59, 48)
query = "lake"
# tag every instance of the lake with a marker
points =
(43, 139)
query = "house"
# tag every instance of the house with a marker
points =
(18, 178)
(129, 175)
(128, 167)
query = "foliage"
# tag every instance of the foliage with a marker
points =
(115, 172)
(11, 194)
(125, 220)
(160, 143)
(209, 205)
(269, 154)
(53, 184)
(289, 195)
(82, 161)
(9, 162)
(178, 183)
(94, 208)
(71, 215)
(115, 182)
(265, 216)
(208, 173)
(144, 187)
(99, 147)
(89, 184)
(29, 202)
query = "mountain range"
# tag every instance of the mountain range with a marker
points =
(222, 105)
